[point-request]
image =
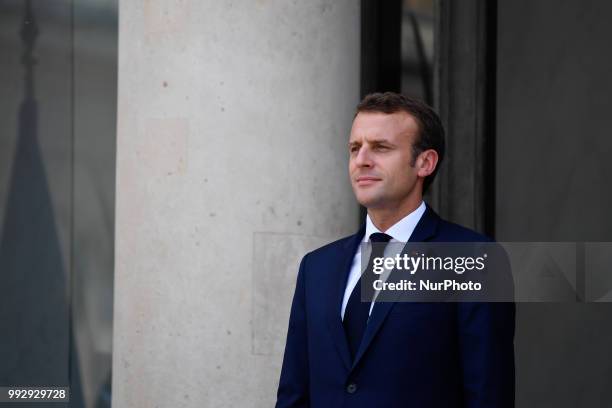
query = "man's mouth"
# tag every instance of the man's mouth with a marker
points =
(366, 180)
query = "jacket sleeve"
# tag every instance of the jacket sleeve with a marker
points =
(293, 388)
(486, 345)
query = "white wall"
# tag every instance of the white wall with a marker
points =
(231, 164)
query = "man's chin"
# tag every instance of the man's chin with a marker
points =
(369, 201)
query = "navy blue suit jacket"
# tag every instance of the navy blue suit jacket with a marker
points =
(412, 354)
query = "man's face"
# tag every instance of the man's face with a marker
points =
(380, 161)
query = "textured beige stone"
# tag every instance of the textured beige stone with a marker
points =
(231, 163)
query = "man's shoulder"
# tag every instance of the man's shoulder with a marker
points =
(333, 248)
(451, 232)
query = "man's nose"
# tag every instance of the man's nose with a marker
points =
(363, 158)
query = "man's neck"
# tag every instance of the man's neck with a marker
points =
(385, 218)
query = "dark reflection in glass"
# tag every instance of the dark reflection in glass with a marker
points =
(57, 158)
(417, 49)
(34, 310)
(95, 95)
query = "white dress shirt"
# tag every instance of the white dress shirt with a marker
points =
(399, 232)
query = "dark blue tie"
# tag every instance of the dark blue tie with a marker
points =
(357, 312)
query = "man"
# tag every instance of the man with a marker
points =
(342, 352)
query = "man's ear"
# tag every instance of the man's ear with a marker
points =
(427, 162)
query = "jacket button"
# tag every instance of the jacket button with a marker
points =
(351, 388)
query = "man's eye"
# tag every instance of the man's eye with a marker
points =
(354, 149)
(381, 148)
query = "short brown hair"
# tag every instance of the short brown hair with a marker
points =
(431, 131)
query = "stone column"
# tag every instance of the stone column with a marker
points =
(233, 121)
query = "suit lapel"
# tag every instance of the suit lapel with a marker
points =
(340, 271)
(424, 230)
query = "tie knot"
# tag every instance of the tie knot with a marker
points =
(380, 237)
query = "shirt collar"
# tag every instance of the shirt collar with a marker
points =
(401, 230)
